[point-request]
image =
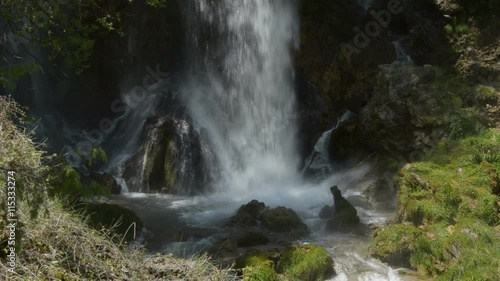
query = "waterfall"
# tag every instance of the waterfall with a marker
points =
(401, 54)
(365, 4)
(239, 88)
(319, 162)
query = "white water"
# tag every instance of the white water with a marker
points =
(401, 54)
(240, 90)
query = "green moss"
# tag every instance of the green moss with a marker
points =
(486, 94)
(450, 198)
(306, 263)
(296, 263)
(258, 266)
(395, 244)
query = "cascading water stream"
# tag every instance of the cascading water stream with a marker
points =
(401, 54)
(239, 93)
(240, 90)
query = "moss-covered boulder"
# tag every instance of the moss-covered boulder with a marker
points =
(396, 244)
(248, 214)
(258, 265)
(282, 219)
(448, 216)
(296, 263)
(306, 263)
(277, 220)
(103, 179)
(122, 221)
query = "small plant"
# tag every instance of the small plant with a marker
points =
(488, 153)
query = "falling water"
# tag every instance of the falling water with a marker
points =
(401, 54)
(366, 4)
(239, 89)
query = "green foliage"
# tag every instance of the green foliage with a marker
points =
(157, 3)
(9, 74)
(98, 154)
(67, 30)
(66, 182)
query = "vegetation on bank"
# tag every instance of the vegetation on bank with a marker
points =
(296, 263)
(448, 219)
(54, 242)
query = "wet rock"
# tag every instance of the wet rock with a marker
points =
(252, 238)
(105, 180)
(381, 194)
(327, 212)
(255, 217)
(122, 221)
(282, 219)
(248, 214)
(171, 160)
(342, 215)
(229, 245)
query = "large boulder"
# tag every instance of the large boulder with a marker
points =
(171, 160)
(248, 214)
(253, 221)
(282, 219)
(103, 179)
(279, 219)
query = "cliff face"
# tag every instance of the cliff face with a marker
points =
(346, 47)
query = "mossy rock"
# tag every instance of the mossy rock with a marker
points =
(395, 244)
(306, 263)
(258, 266)
(282, 219)
(247, 214)
(296, 263)
(111, 216)
(229, 245)
(448, 214)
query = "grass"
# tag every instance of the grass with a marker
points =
(448, 218)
